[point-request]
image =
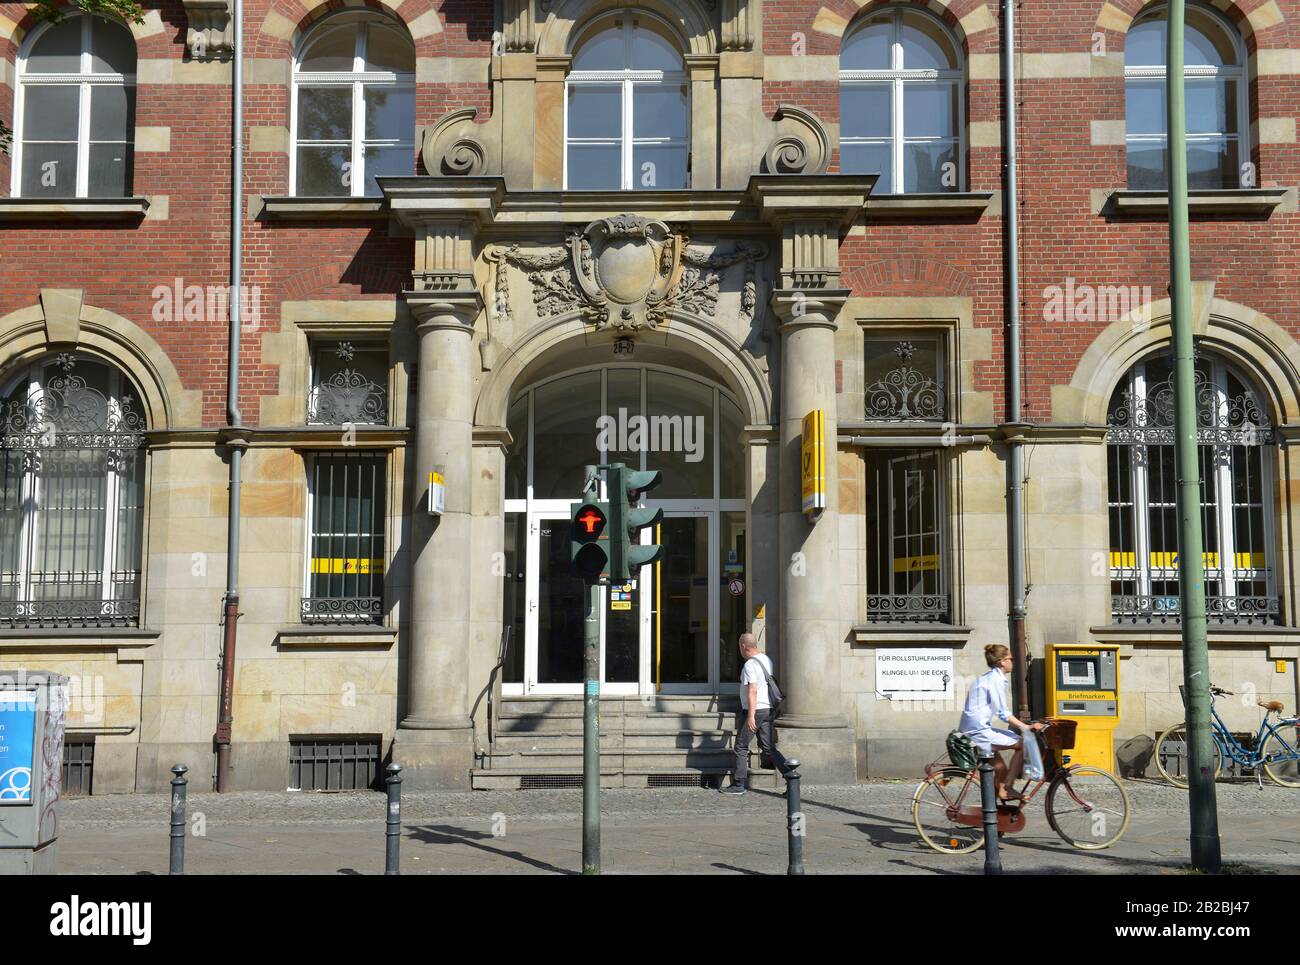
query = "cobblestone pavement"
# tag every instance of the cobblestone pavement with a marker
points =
(862, 828)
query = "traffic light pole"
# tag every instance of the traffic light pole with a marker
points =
(1191, 565)
(591, 720)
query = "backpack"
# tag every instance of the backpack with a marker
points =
(961, 751)
(775, 696)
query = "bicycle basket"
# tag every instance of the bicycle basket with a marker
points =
(1059, 736)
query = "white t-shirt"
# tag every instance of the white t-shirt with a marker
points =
(752, 673)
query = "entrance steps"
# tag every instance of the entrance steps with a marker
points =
(644, 742)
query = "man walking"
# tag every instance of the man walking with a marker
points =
(755, 716)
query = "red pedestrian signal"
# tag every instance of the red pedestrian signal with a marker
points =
(591, 521)
(588, 546)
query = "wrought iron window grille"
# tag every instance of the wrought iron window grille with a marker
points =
(348, 396)
(74, 492)
(905, 392)
(1232, 430)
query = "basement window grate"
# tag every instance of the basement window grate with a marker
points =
(78, 764)
(677, 780)
(334, 762)
(537, 782)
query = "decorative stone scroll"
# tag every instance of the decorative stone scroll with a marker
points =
(456, 145)
(625, 273)
(800, 144)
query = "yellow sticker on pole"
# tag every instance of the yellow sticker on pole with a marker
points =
(814, 462)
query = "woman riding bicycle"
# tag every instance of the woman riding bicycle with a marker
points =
(986, 702)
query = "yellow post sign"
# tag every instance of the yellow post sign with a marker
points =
(814, 462)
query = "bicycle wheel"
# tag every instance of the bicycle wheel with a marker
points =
(933, 808)
(1171, 756)
(1283, 745)
(1087, 807)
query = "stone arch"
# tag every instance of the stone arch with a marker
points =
(1118, 15)
(566, 18)
(54, 324)
(278, 28)
(721, 355)
(975, 20)
(1250, 339)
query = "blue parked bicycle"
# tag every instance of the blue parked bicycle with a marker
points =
(1276, 750)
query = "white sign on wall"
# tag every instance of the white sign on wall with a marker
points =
(914, 673)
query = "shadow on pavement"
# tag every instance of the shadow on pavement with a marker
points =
(448, 834)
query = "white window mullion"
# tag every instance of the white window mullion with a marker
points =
(628, 174)
(357, 171)
(1140, 460)
(1223, 494)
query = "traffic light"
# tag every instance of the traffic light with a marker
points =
(626, 521)
(589, 542)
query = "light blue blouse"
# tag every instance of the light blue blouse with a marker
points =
(986, 702)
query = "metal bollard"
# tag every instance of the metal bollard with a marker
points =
(176, 865)
(989, 803)
(393, 827)
(794, 819)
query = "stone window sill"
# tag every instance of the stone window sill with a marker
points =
(1128, 636)
(287, 208)
(72, 209)
(78, 636)
(1243, 202)
(911, 635)
(330, 635)
(953, 206)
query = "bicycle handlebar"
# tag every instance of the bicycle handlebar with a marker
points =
(1220, 692)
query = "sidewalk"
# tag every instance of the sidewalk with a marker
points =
(860, 829)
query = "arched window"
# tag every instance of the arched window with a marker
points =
(901, 85)
(75, 112)
(1236, 463)
(626, 115)
(71, 496)
(1216, 90)
(353, 105)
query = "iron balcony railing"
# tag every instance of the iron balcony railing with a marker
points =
(76, 614)
(1219, 610)
(359, 609)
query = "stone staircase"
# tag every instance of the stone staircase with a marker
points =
(644, 742)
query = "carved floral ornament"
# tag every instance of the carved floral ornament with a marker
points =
(625, 273)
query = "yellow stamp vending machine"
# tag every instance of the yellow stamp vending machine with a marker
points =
(1083, 686)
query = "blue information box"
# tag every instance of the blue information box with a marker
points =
(17, 746)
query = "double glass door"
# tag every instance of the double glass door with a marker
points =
(671, 630)
(674, 628)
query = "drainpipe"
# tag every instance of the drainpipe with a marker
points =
(1015, 453)
(234, 419)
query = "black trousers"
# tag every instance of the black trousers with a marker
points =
(766, 743)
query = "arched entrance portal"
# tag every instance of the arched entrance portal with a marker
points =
(674, 629)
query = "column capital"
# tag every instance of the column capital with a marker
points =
(453, 309)
(808, 307)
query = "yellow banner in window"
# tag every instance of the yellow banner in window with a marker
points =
(1240, 561)
(335, 565)
(916, 564)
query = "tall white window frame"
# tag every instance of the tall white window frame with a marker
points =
(629, 82)
(354, 176)
(1235, 446)
(897, 77)
(86, 79)
(1152, 78)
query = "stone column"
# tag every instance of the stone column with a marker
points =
(814, 728)
(435, 738)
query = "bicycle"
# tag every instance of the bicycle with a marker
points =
(1085, 805)
(1278, 755)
